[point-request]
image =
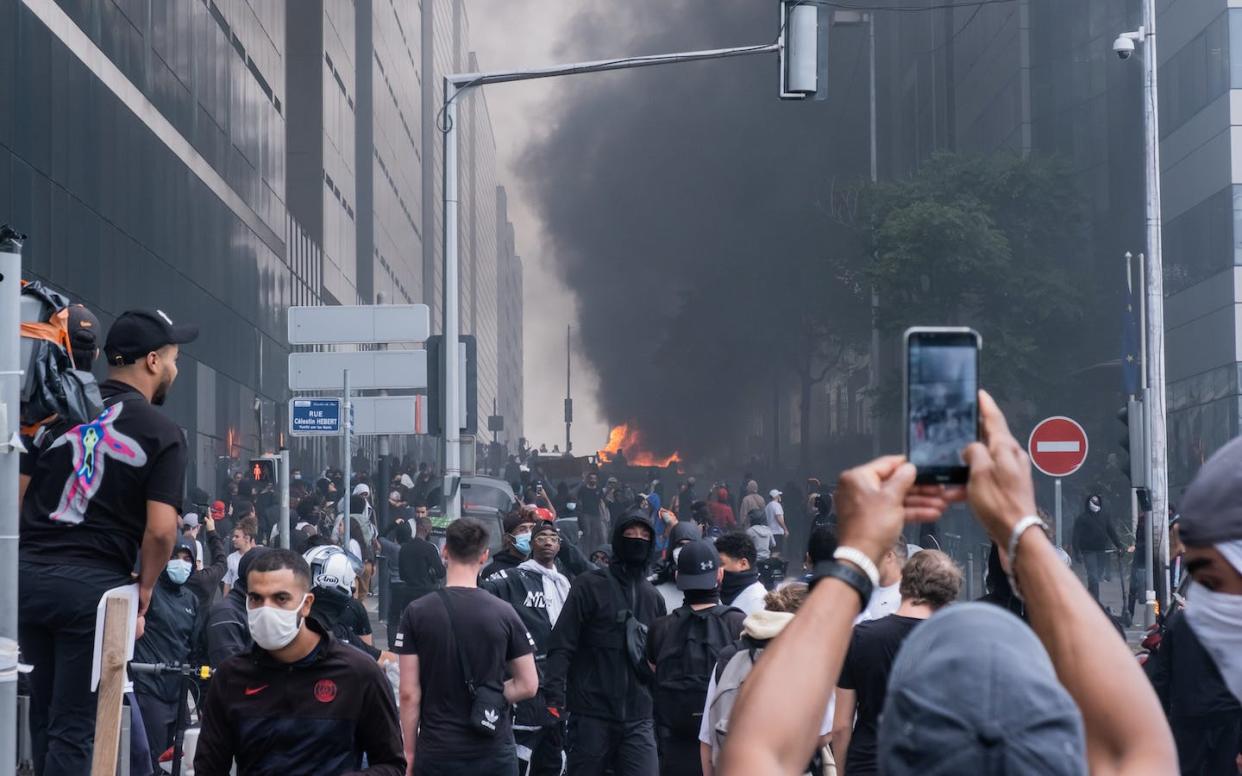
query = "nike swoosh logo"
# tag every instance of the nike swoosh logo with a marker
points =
(256, 690)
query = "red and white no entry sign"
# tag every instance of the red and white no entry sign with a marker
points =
(1058, 446)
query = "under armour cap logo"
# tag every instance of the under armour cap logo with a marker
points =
(163, 315)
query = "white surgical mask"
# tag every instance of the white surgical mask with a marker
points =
(273, 628)
(178, 570)
(1216, 618)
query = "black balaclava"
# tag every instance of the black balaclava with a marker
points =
(693, 597)
(634, 555)
(735, 582)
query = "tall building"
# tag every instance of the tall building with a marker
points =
(509, 388)
(322, 136)
(223, 161)
(142, 148)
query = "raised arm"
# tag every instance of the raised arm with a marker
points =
(783, 703)
(1125, 727)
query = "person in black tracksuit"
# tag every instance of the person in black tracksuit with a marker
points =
(170, 632)
(227, 632)
(1205, 718)
(307, 704)
(590, 672)
(534, 726)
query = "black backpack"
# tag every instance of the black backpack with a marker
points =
(684, 667)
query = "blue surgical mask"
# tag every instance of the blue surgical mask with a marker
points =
(522, 543)
(178, 570)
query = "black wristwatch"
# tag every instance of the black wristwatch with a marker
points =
(847, 574)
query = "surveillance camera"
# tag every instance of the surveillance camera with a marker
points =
(1124, 47)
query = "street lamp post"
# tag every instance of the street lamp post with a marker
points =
(1154, 403)
(847, 19)
(797, 44)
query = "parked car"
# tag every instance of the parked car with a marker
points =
(486, 499)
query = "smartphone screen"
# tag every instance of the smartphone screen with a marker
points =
(942, 401)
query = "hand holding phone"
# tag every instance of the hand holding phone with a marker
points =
(941, 401)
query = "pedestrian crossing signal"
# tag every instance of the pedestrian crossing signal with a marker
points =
(263, 470)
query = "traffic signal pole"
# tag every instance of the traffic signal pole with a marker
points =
(798, 46)
(347, 428)
(10, 453)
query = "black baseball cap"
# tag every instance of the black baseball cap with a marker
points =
(696, 566)
(84, 330)
(139, 332)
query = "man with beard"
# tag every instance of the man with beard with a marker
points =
(102, 495)
(598, 670)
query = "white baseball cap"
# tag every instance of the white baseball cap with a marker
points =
(774, 493)
(362, 489)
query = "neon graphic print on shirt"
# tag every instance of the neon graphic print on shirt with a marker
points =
(93, 444)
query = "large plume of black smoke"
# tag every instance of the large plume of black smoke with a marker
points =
(683, 204)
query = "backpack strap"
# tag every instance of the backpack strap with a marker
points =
(461, 656)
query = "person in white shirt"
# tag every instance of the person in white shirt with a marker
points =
(545, 543)
(244, 534)
(775, 514)
(740, 587)
(886, 598)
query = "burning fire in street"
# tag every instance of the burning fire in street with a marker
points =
(628, 441)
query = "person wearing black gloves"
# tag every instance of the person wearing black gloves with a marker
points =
(597, 667)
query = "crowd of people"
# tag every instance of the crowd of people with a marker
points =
(602, 628)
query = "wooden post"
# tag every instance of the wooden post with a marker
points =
(111, 687)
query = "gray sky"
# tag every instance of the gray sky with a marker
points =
(512, 34)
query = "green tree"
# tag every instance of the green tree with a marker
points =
(994, 242)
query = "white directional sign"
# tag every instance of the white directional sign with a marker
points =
(389, 415)
(359, 324)
(368, 370)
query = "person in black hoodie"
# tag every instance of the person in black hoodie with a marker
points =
(1205, 718)
(1094, 535)
(170, 631)
(596, 669)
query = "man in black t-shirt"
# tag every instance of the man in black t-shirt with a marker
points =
(100, 495)
(435, 702)
(929, 580)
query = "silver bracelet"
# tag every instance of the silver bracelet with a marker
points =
(1014, 538)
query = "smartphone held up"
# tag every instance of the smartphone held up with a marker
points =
(941, 401)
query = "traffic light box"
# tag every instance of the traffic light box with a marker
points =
(1134, 462)
(263, 470)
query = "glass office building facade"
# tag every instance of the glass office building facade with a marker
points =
(208, 159)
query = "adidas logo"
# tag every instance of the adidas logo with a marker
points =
(490, 717)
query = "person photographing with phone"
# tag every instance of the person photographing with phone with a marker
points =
(1077, 703)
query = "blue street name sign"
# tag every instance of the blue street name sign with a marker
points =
(314, 416)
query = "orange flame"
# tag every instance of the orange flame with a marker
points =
(627, 440)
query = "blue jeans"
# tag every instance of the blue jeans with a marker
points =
(500, 763)
(56, 632)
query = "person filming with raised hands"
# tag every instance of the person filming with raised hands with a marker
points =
(782, 701)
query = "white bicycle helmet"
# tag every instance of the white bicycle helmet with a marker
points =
(330, 568)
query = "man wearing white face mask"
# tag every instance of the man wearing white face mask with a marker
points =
(1211, 530)
(171, 629)
(300, 701)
